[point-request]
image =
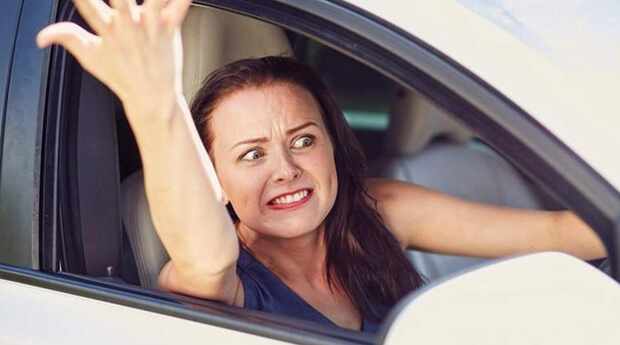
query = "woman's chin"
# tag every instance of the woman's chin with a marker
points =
(290, 228)
(294, 230)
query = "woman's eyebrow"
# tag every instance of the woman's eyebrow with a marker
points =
(288, 132)
(250, 141)
(300, 127)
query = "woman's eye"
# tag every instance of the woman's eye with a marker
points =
(252, 155)
(304, 141)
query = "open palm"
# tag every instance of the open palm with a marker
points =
(135, 50)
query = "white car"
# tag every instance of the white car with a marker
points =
(505, 102)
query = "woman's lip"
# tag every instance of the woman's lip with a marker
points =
(289, 193)
(293, 204)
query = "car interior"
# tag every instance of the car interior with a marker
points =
(108, 230)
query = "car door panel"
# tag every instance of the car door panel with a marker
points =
(42, 316)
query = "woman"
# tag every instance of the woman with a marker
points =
(296, 184)
(318, 241)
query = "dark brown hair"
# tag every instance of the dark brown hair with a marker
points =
(363, 254)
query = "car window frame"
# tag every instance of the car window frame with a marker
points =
(9, 20)
(22, 138)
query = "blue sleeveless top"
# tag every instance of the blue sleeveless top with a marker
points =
(264, 291)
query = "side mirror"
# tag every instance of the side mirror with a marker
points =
(546, 298)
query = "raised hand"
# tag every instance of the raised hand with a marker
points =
(136, 50)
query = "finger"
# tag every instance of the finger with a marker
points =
(126, 9)
(70, 36)
(151, 10)
(95, 12)
(155, 4)
(176, 11)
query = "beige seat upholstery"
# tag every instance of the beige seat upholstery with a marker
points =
(456, 165)
(211, 38)
(415, 122)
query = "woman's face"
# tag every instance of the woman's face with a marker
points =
(274, 159)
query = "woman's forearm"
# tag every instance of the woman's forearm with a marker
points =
(575, 237)
(182, 190)
(427, 220)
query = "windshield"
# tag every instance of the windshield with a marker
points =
(575, 34)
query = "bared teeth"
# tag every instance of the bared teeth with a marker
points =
(287, 199)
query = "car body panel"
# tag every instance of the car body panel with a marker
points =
(42, 316)
(577, 106)
(545, 298)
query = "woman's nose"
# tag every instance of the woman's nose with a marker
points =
(287, 169)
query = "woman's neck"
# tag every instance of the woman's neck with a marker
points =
(300, 259)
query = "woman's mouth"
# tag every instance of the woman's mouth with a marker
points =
(287, 201)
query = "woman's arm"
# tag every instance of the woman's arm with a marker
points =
(136, 51)
(427, 220)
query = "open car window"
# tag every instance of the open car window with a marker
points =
(104, 217)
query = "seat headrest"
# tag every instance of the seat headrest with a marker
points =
(213, 38)
(415, 122)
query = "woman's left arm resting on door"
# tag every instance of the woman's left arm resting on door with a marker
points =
(427, 220)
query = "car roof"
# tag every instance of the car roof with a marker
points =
(573, 101)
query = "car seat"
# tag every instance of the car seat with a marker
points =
(211, 38)
(427, 147)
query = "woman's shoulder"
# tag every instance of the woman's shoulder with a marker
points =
(398, 203)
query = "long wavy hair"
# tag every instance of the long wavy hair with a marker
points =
(362, 253)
